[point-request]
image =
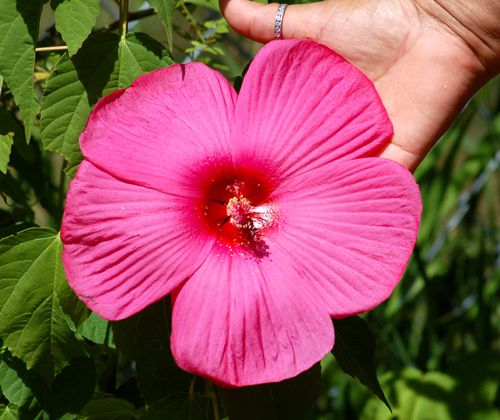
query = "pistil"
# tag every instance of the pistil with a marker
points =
(239, 212)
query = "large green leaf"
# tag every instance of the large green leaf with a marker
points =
(478, 383)
(145, 338)
(211, 4)
(19, 21)
(5, 146)
(421, 396)
(109, 409)
(14, 387)
(286, 400)
(103, 64)
(165, 9)
(8, 413)
(66, 104)
(74, 20)
(69, 392)
(181, 406)
(96, 329)
(354, 351)
(33, 325)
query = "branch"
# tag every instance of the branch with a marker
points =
(123, 17)
(52, 48)
(131, 16)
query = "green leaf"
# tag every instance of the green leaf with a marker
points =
(286, 400)
(69, 392)
(67, 104)
(71, 305)
(74, 20)
(19, 21)
(211, 4)
(138, 53)
(13, 386)
(71, 169)
(145, 338)
(72, 388)
(8, 413)
(165, 9)
(156, 386)
(5, 147)
(181, 406)
(103, 64)
(1, 85)
(32, 322)
(96, 329)
(108, 409)
(477, 378)
(354, 351)
(238, 81)
(420, 396)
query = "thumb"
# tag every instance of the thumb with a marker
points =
(256, 20)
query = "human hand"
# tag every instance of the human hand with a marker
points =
(426, 58)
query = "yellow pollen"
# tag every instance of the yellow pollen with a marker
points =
(239, 211)
(244, 216)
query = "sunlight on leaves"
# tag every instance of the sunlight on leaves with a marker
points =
(103, 64)
(19, 21)
(5, 147)
(32, 322)
(8, 413)
(74, 20)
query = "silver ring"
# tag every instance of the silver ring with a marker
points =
(278, 22)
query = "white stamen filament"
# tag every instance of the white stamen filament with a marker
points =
(243, 215)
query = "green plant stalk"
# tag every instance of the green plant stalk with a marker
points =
(192, 21)
(131, 16)
(215, 404)
(191, 386)
(124, 6)
(52, 48)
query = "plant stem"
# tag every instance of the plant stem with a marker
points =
(215, 403)
(191, 386)
(192, 21)
(131, 16)
(123, 17)
(52, 48)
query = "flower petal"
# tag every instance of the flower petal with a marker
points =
(160, 130)
(239, 321)
(351, 231)
(302, 106)
(126, 246)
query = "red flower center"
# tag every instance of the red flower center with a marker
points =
(238, 208)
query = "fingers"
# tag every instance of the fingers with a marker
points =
(256, 20)
(410, 160)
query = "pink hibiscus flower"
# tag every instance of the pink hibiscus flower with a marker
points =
(264, 214)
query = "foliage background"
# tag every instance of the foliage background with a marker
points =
(438, 341)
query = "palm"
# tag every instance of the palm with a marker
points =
(412, 64)
(422, 73)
